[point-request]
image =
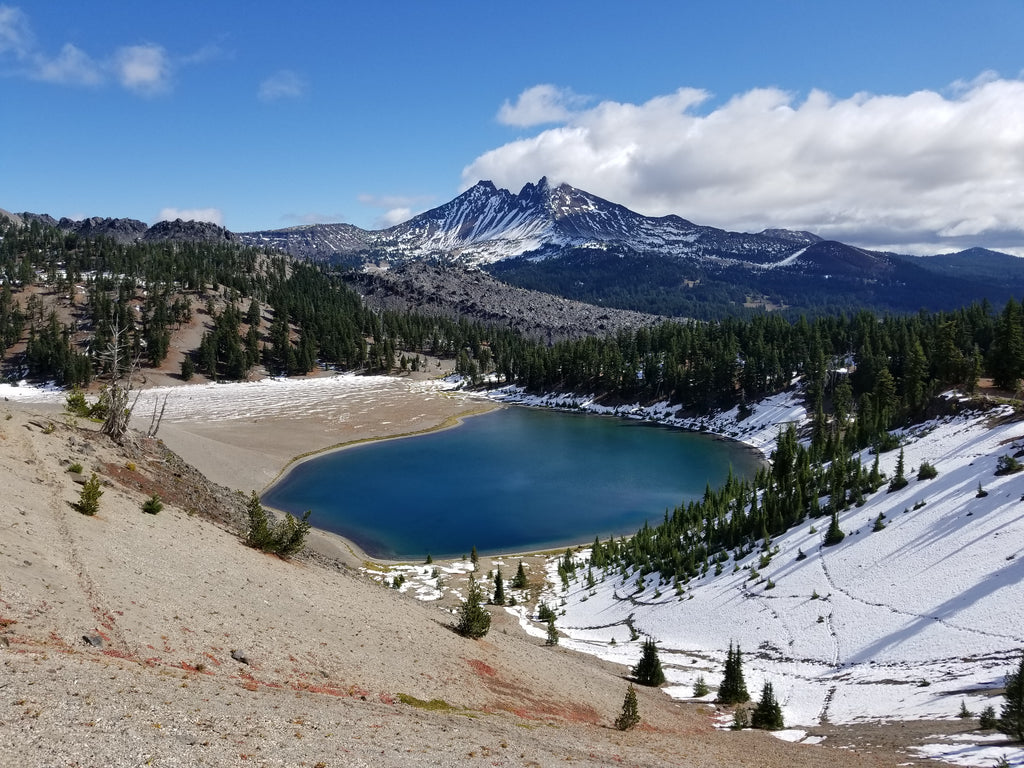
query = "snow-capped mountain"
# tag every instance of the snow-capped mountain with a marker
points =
(486, 224)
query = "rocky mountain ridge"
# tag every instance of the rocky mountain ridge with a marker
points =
(128, 230)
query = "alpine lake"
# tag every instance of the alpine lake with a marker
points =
(512, 480)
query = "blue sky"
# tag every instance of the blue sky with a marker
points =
(889, 124)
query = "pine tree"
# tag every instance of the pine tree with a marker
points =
(630, 714)
(733, 689)
(1011, 720)
(474, 620)
(499, 589)
(899, 480)
(258, 534)
(474, 557)
(519, 582)
(552, 638)
(700, 687)
(835, 534)
(648, 670)
(767, 714)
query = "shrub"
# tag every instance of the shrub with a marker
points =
(76, 468)
(76, 404)
(152, 505)
(284, 538)
(1007, 465)
(89, 498)
(927, 471)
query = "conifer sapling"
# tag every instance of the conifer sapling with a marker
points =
(630, 715)
(474, 620)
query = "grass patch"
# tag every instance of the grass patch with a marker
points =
(434, 705)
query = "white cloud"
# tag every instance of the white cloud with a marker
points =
(540, 104)
(72, 66)
(15, 34)
(398, 208)
(922, 171)
(284, 84)
(392, 217)
(144, 69)
(212, 215)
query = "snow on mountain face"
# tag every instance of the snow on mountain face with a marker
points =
(486, 224)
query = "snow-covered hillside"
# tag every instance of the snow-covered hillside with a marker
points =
(905, 622)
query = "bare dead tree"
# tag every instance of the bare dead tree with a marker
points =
(118, 390)
(154, 422)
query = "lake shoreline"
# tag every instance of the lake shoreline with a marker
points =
(637, 497)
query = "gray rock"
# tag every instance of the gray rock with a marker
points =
(240, 657)
(94, 640)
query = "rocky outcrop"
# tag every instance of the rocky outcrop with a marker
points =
(458, 292)
(190, 231)
(121, 230)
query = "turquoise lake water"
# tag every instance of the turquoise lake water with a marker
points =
(511, 480)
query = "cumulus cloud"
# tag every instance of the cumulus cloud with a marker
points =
(392, 217)
(284, 84)
(922, 172)
(212, 215)
(539, 105)
(143, 69)
(397, 208)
